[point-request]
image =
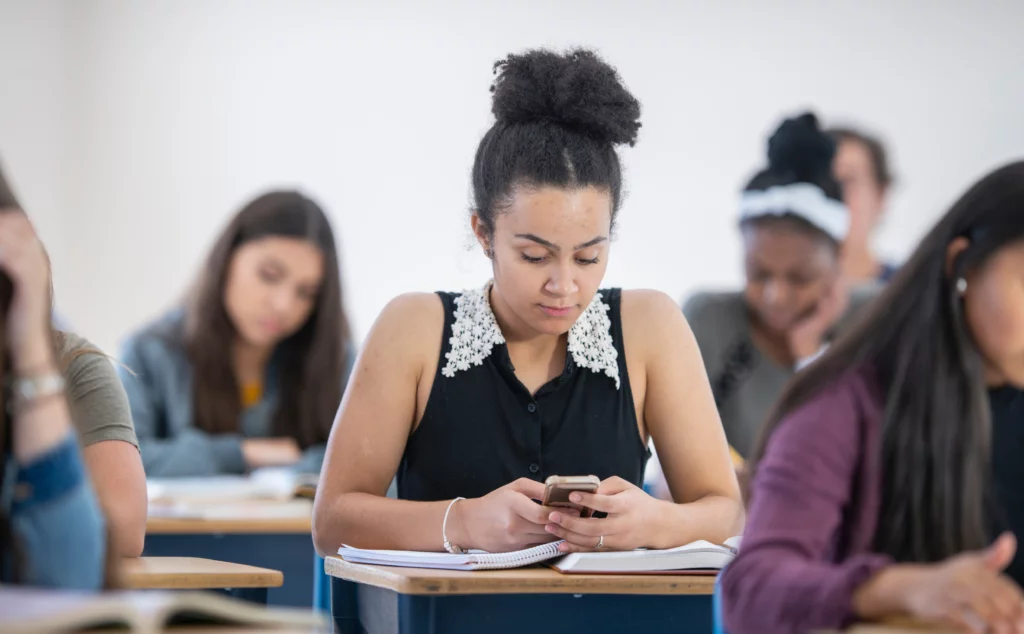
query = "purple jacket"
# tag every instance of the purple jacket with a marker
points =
(813, 510)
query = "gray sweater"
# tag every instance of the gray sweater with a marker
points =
(746, 382)
(157, 375)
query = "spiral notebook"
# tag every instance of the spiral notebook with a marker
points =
(472, 560)
(696, 556)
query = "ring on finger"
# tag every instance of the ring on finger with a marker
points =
(600, 543)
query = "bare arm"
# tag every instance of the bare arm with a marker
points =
(116, 471)
(368, 439)
(681, 417)
(100, 411)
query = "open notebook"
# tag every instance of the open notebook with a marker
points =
(473, 560)
(699, 555)
(37, 611)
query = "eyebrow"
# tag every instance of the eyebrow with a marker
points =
(555, 247)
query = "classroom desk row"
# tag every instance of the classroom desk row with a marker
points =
(387, 600)
(264, 540)
(276, 553)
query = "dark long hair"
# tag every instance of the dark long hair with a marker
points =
(311, 361)
(11, 556)
(935, 442)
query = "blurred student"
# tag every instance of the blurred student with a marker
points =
(248, 373)
(793, 224)
(475, 398)
(51, 526)
(100, 414)
(862, 168)
(885, 475)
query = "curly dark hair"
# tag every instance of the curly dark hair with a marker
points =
(558, 118)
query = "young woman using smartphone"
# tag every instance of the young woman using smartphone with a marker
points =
(475, 398)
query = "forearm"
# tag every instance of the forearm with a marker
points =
(714, 518)
(40, 425)
(126, 522)
(882, 595)
(192, 453)
(364, 520)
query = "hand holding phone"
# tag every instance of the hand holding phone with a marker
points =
(558, 488)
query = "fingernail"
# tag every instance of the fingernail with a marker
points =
(555, 517)
(563, 548)
(575, 497)
(549, 528)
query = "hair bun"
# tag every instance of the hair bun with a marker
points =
(800, 148)
(577, 90)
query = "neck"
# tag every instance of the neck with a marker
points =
(250, 361)
(519, 334)
(858, 263)
(773, 344)
(994, 378)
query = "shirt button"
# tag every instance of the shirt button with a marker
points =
(534, 468)
(531, 408)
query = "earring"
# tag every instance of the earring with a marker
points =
(489, 253)
(961, 286)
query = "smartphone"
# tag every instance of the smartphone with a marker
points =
(558, 488)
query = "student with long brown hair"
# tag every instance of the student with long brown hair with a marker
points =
(51, 526)
(100, 413)
(248, 373)
(888, 479)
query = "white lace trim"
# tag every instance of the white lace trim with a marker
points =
(475, 333)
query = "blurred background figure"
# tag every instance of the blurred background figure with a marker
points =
(863, 171)
(249, 371)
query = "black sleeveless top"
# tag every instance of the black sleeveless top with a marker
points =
(482, 429)
(1008, 469)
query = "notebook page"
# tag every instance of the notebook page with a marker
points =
(475, 560)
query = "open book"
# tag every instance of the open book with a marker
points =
(230, 496)
(272, 483)
(38, 611)
(699, 555)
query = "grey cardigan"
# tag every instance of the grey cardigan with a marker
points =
(157, 375)
(745, 382)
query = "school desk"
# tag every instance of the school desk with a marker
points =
(387, 600)
(253, 538)
(192, 573)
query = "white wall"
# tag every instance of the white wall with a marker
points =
(35, 131)
(177, 111)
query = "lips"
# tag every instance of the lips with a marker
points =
(557, 311)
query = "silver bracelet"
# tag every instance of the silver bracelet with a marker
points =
(33, 388)
(450, 547)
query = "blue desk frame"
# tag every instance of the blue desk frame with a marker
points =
(363, 609)
(291, 553)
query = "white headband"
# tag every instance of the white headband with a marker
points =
(800, 199)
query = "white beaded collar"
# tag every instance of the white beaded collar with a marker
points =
(475, 333)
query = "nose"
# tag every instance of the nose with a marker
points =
(561, 282)
(777, 294)
(282, 300)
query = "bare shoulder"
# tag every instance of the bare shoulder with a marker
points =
(650, 311)
(409, 328)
